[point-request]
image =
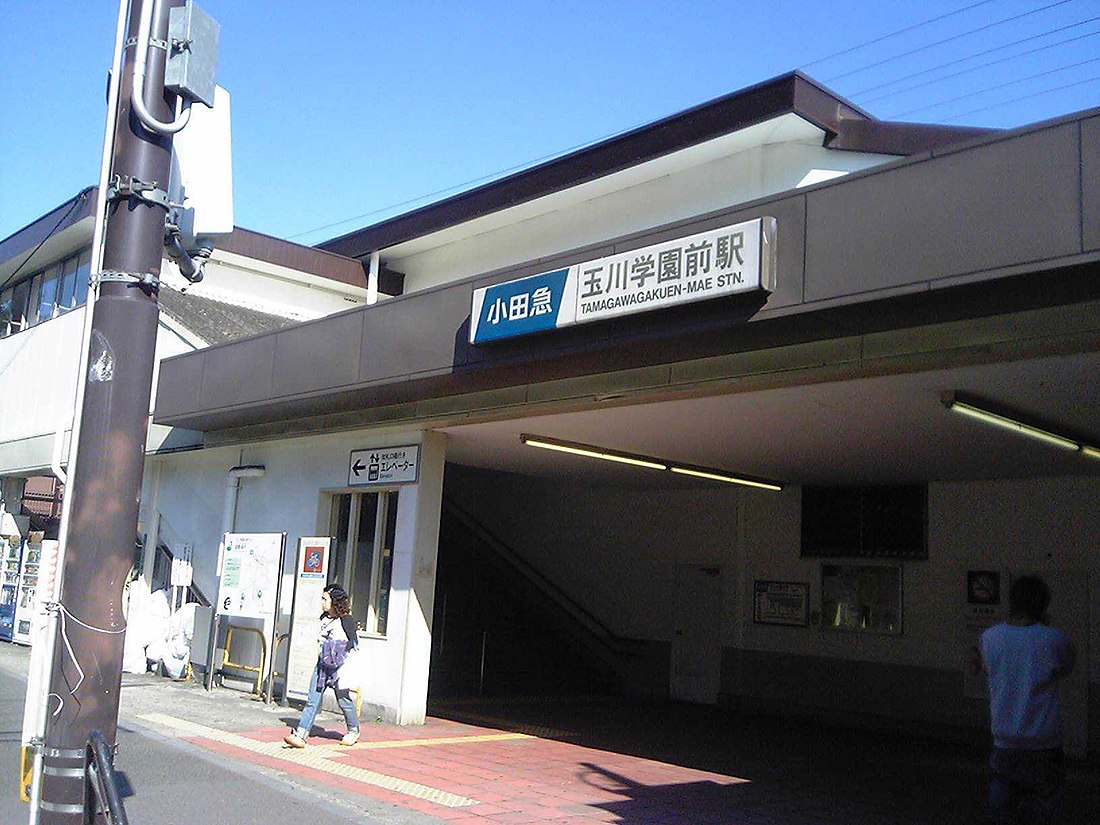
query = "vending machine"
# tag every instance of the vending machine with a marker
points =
(11, 554)
(28, 582)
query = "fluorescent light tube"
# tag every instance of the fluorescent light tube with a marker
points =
(729, 479)
(1091, 452)
(1012, 425)
(591, 452)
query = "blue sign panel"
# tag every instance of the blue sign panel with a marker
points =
(519, 307)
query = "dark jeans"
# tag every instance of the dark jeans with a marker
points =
(1026, 786)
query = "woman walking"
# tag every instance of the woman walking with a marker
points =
(336, 640)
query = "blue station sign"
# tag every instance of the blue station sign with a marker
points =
(732, 259)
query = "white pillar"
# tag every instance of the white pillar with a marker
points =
(413, 577)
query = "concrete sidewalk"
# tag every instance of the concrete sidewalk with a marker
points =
(586, 761)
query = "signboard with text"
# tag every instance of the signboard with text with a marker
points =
(249, 574)
(725, 261)
(387, 465)
(310, 571)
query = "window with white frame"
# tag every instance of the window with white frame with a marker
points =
(363, 526)
(55, 290)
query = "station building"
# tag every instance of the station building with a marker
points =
(845, 371)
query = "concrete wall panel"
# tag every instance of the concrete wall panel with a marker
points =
(974, 210)
(417, 335)
(1090, 182)
(238, 373)
(306, 361)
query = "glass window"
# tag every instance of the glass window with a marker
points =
(83, 274)
(32, 301)
(367, 523)
(5, 312)
(67, 293)
(47, 295)
(19, 295)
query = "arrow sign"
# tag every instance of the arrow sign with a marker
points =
(385, 466)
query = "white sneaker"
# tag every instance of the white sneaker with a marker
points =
(350, 738)
(294, 740)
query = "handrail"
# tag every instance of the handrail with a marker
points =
(598, 630)
(194, 591)
(101, 796)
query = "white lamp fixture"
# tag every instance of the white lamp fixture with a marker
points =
(648, 462)
(952, 402)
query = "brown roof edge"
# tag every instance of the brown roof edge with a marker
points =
(791, 92)
(73, 210)
(307, 259)
(892, 138)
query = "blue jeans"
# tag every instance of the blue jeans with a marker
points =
(313, 704)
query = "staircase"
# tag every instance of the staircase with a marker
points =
(502, 628)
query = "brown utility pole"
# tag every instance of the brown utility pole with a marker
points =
(106, 473)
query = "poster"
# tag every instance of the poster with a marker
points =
(310, 575)
(249, 581)
(781, 603)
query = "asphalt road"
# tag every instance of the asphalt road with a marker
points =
(168, 781)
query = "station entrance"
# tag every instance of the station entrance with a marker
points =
(564, 575)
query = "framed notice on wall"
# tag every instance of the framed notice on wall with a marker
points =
(785, 603)
(305, 618)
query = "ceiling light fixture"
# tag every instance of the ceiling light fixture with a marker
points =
(713, 476)
(1011, 424)
(590, 451)
(636, 460)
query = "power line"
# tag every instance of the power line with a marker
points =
(79, 199)
(1013, 82)
(1025, 97)
(981, 66)
(923, 72)
(464, 184)
(894, 34)
(954, 37)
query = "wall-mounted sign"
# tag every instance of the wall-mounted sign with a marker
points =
(781, 603)
(387, 465)
(737, 258)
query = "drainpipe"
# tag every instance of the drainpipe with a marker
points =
(229, 523)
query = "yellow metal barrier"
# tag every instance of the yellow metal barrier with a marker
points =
(26, 772)
(259, 671)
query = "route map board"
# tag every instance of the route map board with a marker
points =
(251, 564)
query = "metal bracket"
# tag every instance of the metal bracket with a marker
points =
(154, 42)
(124, 187)
(145, 281)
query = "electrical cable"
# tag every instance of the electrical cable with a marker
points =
(1024, 97)
(953, 37)
(1013, 82)
(79, 199)
(65, 615)
(923, 72)
(980, 66)
(894, 33)
(491, 176)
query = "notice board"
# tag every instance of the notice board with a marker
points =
(249, 571)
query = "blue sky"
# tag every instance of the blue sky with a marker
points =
(345, 113)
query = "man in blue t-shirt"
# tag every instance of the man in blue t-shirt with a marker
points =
(1025, 659)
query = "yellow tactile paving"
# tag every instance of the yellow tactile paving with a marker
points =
(440, 740)
(318, 758)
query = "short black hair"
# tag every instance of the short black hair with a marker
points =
(1029, 596)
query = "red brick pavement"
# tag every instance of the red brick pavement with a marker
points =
(513, 779)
